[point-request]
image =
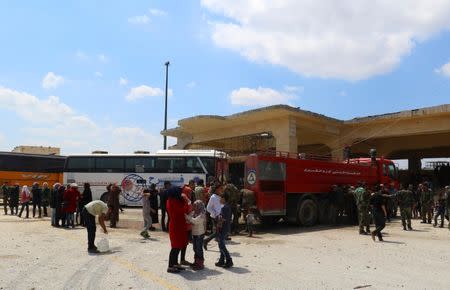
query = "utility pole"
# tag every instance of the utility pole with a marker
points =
(165, 107)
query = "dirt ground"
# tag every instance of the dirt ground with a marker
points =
(34, 255)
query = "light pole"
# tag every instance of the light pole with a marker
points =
(165, 107)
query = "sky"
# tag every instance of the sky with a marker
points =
(90, 75)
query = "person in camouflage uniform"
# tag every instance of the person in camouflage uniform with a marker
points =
(362, 202)
(447, 203)
(439, 209)
(426, 200)
(405, 199)
(235, 198)
(5, 192)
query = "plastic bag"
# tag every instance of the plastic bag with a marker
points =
(103, 245)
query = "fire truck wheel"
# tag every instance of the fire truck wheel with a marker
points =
(307, 213)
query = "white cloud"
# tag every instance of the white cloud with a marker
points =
(52, 81)
(294, 89)
(349, 40)
(102, 58)
(444, 70)
(140, 19)
(73, 132)
(123, 81)
(98, 74)
(144, 91)
(259, 97)
(191, 85)
(157, 12)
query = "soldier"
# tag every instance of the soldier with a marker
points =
(378, 203)
(439, 209)
(447, 202)
(406, 200)
(362, 203)
(426, 200)
(5, 191)
(235, 197)
(14, 199)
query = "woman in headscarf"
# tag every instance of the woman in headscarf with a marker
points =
(53, 204)
(176, 208)
(114, 206)
(25, 198)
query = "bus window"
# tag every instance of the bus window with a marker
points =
(109, 164)
(210, 164)
(140, 164)
(170, 164)
(193, 165)
(80, 164)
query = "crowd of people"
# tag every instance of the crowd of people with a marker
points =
(197, 213)
(65, 202)
(383, 203)
(194, 213)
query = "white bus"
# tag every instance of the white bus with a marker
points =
(135, 172)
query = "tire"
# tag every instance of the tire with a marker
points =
(307, 213)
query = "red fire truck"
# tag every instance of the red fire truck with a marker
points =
(298, 188)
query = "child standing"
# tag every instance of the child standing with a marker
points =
(198, 220)
(223, 228)
(250, 221)
(146, 211)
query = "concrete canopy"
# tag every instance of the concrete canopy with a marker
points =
(295, 130)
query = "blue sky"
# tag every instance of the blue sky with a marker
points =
(62, 63)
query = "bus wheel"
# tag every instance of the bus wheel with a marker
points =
(307, 213)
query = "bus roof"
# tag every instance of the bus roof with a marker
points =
(169, 153)
(5, 153)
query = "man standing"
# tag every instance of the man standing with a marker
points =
(114, 206)
(362, 203)
(214, 207)
(234, 199)
(379, 213)
(45, 197)
(439, 209)
(36, 193)
(426, 200)
(406, 201)
(447, 202)
(163, 200)
(199, 191)
(90, 210)
(14, 199)
(5, 191)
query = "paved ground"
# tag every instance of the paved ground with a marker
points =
(34, 255)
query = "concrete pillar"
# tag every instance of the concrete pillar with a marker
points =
(285, 133)
(414, 164)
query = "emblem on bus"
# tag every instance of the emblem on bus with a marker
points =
(251, 177)
(132, 187)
